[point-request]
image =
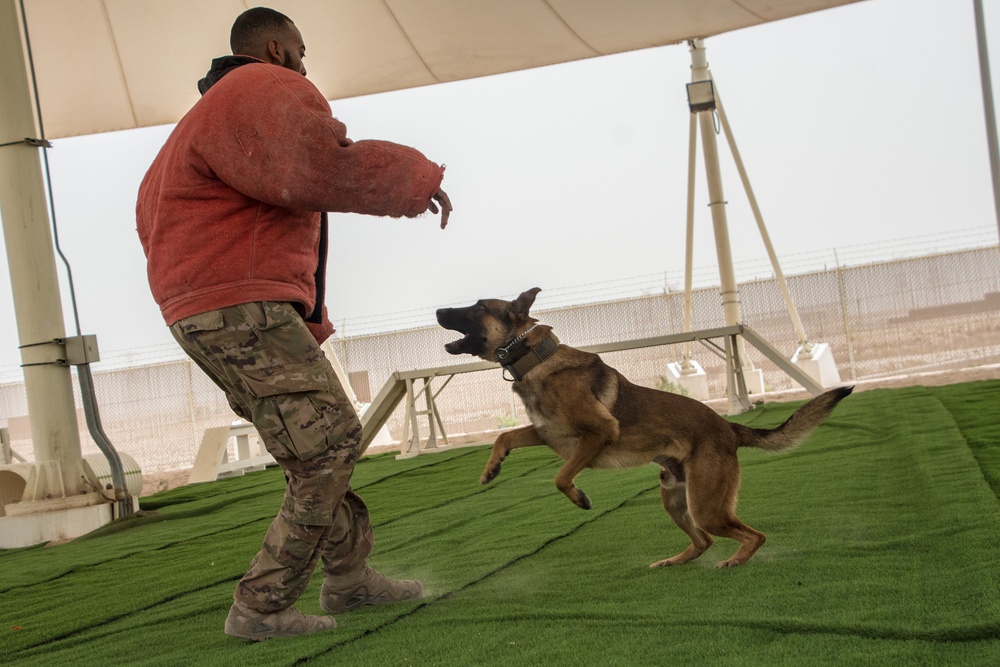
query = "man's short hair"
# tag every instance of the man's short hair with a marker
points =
(254, 27)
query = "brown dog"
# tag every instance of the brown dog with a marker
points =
(591, 416)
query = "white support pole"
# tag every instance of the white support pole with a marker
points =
(431, 415)
(688, 373)
(800, 331)
(717, 199)
(689, 247)
(34, 281)
(991, 121)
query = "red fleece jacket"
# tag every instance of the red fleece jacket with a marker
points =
(229, 211)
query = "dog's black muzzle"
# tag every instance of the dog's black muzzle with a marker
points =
(457, 319)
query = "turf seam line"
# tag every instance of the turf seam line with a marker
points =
(390, 550)
(218, 497)
(221, 493)
(974, 451)
(175, 543)
(483, 488)
(204, 494)
(975, 633)
(475, 582)
(162, 547)
(119, 617)
(472, 450)
(219, 502)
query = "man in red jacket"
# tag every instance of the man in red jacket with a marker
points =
(232, 218)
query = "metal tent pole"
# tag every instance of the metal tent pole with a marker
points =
(704, 103)
(34, 282)
(689, 247)
(991, 122)
(61, 484)
(717, 202)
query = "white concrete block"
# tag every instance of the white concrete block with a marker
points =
(382, 438)
(754, 380)
(693, 379)
(25, 530)
(818, 364)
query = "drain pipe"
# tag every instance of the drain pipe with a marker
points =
(80, 351)
(123, 500)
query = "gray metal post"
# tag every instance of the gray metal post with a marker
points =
(991, 122)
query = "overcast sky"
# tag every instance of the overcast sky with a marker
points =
(859, 126)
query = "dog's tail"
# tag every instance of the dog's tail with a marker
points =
(797, 427)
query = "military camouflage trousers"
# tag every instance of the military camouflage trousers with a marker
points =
(276, 376)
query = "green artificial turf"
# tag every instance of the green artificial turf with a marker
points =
(882, 541)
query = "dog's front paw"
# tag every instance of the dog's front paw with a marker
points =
(582, 501)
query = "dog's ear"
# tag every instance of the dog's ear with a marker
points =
(522, 304)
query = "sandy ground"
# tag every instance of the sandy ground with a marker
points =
(162, 481)
(155, 482)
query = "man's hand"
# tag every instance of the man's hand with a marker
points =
(442, 197)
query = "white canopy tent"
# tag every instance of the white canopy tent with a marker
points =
(118, 64)
(92, 66)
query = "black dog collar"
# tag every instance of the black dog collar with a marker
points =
(536, 355)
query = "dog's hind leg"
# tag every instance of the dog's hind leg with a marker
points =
(673, 493)
(712, 489)
(526, 436)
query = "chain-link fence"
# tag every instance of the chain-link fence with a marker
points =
(928, 313)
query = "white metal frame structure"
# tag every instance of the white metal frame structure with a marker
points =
(705, 102)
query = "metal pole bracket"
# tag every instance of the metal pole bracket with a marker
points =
(81, 350)
(73, 351)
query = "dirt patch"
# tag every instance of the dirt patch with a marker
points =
(155, 482)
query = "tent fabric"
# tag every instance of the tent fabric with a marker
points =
(105, 65)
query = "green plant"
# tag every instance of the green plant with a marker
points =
(506, 421)
(663, 383)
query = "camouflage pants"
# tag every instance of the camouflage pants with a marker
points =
(276, 376)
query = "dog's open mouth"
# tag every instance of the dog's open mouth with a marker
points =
(457, 346)
(448, 318)
(467, 344)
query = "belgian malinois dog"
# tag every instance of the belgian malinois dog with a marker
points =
(591, 416)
